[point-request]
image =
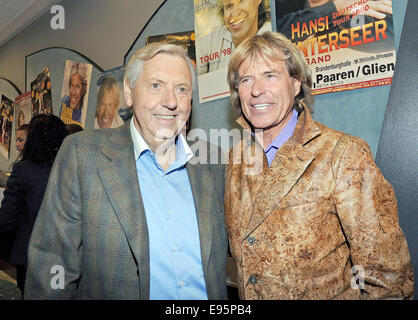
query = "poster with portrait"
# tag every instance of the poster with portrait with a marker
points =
(346, 49)
(75, 92)
(220, 26)
(185, 39)
(111, 110)
(6, 120)
(23, 109)
(23, 114)
(41, 93)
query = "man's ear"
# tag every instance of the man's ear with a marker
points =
(297, 84)
(127, 92)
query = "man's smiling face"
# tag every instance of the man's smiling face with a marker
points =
(241, 18)
(267, 93)
(161, 99)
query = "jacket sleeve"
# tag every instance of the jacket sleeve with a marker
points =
(367, 210)
(13, 201)
(55, 248)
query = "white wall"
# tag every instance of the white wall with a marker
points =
(102, 30)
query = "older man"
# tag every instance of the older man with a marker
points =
(317, 220)
(125, 216)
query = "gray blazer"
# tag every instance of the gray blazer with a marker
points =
(92, 223)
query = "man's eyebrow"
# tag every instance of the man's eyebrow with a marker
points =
(157, 80)
(244, 75)
(187, 84)
(271, 71)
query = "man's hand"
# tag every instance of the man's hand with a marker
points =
(376, 8)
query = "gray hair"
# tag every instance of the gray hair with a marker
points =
(135, 65)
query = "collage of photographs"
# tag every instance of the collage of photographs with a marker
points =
(232, 150)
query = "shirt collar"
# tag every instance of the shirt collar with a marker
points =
(227, 35)
(285, 133)
(140, 144)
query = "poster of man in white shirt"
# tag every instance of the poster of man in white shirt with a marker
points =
(221, 25)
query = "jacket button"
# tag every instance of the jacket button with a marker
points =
(253, 279)
(250, 240)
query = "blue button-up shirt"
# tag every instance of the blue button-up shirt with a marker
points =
(176, 270)
(281, 138)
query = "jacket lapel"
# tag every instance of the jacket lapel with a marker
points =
(276, 182)
(289, 164)
(120, 181)
(202, 197)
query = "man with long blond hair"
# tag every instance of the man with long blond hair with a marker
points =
(318, 220)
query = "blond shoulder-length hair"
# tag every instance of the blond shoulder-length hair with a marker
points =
(272, 46)
(108, 85)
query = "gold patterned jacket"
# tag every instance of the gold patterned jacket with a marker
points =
(320, 223)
